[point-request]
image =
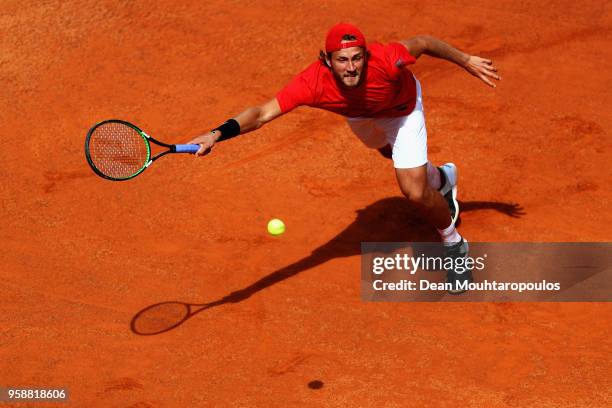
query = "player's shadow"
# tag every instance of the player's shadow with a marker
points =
(510, 209)
(387, 220)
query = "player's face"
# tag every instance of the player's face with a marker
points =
(348, 64)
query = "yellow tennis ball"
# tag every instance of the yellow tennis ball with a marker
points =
(276, 226)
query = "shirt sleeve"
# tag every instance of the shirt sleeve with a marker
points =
(397, 57)
(296, 93)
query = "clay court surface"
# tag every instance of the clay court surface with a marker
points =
(81, 256)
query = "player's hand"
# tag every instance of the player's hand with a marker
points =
(482, 68)
(206, 142)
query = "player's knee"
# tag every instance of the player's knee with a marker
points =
(413, 184)
(415, 194)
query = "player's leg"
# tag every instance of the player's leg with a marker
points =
(431, 205)
(417, 178)
(443, 179)
(424, 185)
(414, 184)
(405, 140)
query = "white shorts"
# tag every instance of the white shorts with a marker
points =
(407, 135)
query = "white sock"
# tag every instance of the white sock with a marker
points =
(433, 176)
(450, 235)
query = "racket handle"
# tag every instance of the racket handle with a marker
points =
(186, 148)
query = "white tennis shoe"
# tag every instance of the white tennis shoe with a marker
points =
(449, 189)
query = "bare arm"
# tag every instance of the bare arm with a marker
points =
(250, 119)
(479, 67)
(255, 117)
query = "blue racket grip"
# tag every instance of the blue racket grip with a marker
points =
(186, 148)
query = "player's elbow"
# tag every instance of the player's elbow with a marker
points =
(261, 118)
(425, 42)
(269, 111)
(258, 116)
(418, 45)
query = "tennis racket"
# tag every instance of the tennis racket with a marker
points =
(118, 150)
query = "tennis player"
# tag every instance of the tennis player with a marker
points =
(372, 87)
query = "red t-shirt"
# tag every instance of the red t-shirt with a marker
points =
(388, 89)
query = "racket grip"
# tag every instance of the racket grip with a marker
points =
(186, 148)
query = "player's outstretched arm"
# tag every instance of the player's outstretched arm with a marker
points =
(246, 121)
(481, 68)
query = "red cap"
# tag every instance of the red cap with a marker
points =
(333, 42)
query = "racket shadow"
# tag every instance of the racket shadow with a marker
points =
(387, 220)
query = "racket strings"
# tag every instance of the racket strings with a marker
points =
(117, 150)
